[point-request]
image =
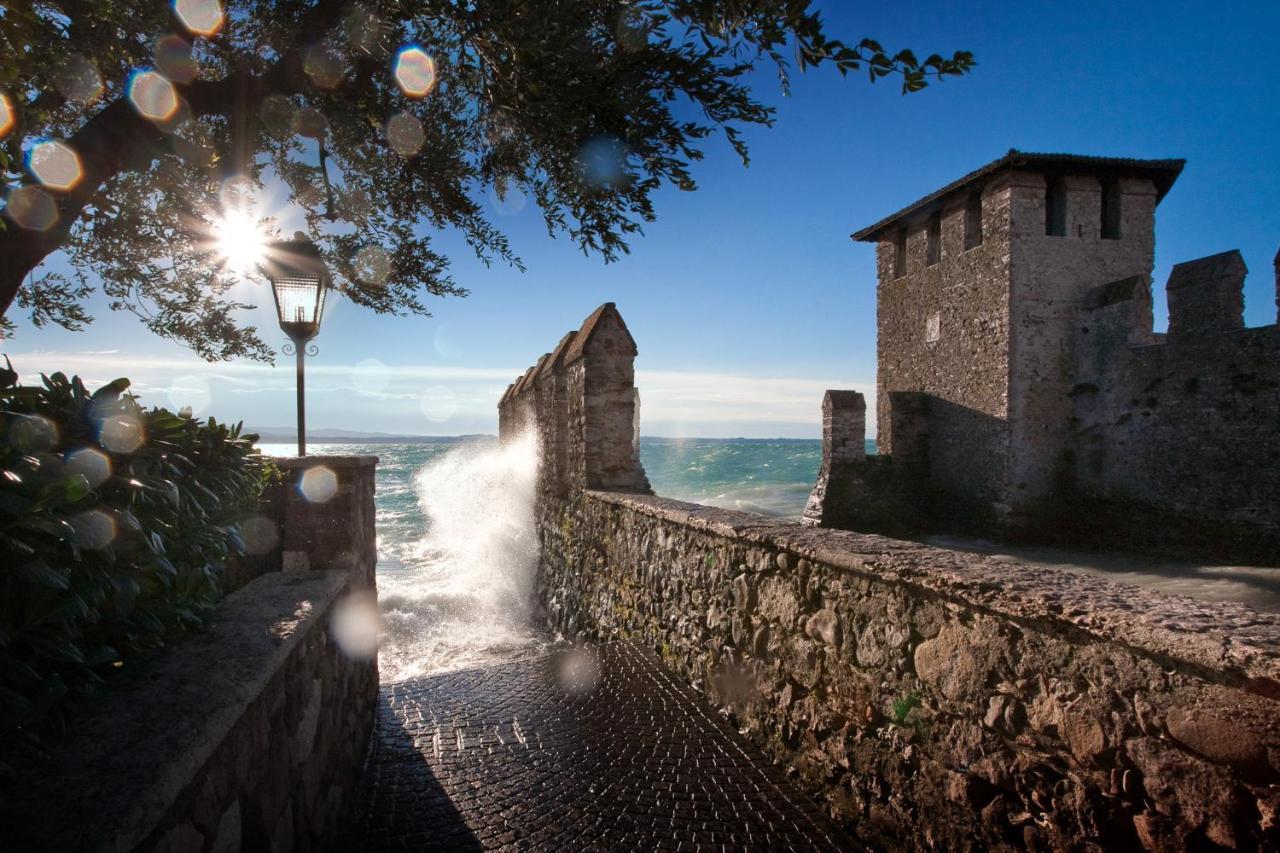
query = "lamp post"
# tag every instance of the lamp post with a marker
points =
(299, 280)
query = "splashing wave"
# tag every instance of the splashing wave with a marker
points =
(462, 595)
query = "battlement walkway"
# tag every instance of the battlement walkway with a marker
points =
(575, 750)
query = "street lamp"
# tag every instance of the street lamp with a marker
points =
(299, 280)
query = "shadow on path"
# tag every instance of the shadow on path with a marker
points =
(402, 805)
(598, 749)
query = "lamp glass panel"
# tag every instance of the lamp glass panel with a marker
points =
(299, 300)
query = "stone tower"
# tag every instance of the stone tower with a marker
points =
(979, 288)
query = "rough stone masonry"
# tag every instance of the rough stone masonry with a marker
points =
(1022, 390)
(931, 699)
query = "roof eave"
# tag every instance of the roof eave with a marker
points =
(1163, 173)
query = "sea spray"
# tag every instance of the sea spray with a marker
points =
(464, 592)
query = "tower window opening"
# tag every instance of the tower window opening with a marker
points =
(1111, 210)
(973, 221)
(933, 250)
(1055, 208)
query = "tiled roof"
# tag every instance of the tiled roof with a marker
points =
(1161, 172)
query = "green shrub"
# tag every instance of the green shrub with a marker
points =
(116, 524)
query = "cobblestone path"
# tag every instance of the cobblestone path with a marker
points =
(572, 751)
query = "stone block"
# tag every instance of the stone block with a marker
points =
(778, 601)
(824, 626)
(949, 664)
(1222, 741)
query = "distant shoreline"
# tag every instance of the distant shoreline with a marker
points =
(265, 437)
(321, 438)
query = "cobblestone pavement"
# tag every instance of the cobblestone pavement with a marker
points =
(578, 750)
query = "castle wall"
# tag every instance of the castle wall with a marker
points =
(1175, 442)
(581, 405)
(932, 699)
(943, 331)
(1049, 278)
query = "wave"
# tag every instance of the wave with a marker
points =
(460, 594)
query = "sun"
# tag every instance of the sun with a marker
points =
(239, 241)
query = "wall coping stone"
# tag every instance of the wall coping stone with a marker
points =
(329, 461)
(1215, 638)
(138, 745)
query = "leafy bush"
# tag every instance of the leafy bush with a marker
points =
(116, 524)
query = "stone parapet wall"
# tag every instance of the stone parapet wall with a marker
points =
(328, 517)
(938, 699)
(247, 736)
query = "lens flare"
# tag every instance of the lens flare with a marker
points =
(90, 463)
(8, 118)
(277, 114)
(174, 60)
(202, 17)
(602, 162)
(55, 164)
(32, 208)
(325, 68)
(370, 377)
(318, 485)
(508, 200)
(404, 133)
(354, 203)
(633, 31)
(355, 626)
(93, 529)
(365, 31)
(310, 122)
(373, 265)
(32, 434)
(191, 393)
(439, 404)
(578, 671)
(415, 72)
(153, 96)
(121, 434)
(260, 534)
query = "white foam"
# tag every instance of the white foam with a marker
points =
(463, 593)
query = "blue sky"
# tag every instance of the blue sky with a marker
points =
(747, 298)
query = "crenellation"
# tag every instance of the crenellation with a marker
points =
(580, 403)
(1206, 296)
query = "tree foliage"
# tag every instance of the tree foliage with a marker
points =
(587, 107)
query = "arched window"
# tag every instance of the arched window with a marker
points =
(1055, 208)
